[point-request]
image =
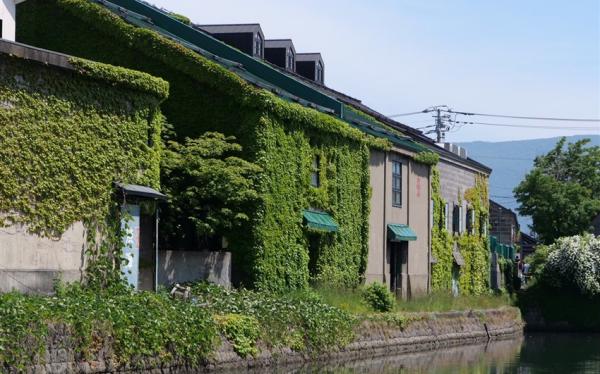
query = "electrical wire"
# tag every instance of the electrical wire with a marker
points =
(503, 158)
(524, 117)
(531, 126)
(408, 114)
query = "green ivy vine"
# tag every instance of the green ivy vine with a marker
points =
(441, 240)
(67, 136)
(475, 274)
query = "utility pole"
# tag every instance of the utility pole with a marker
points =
(439, 131)
(441, 119)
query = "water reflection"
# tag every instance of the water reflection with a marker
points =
(560, 353)
(495, 356)
(535, 353)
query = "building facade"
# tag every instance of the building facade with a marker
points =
(504, 224)
(345, 195)
(60, 160)
(399, 241)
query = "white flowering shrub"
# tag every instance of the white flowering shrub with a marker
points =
(574, 262)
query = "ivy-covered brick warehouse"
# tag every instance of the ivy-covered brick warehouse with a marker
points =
(315, 218)
(289, 142)
(70, 128)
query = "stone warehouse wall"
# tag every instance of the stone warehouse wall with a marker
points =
(454, 181)
(375, 337)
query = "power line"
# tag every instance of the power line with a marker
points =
(526, 117)
(408, 114)
(502, 158)
(530, 126)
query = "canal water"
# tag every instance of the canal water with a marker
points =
(533, 353)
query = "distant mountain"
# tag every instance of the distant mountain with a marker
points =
(510, 162)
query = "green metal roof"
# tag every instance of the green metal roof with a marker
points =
(320, 221)
(400, 233)
(203, 40)
(251, 69)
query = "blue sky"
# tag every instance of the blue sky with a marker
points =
(536, 58)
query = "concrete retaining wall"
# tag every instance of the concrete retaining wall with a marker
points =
(190, 266)
(374, 338)
(29, 263)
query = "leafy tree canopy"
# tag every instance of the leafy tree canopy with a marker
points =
(574, 263)
(211, 191)
(562, 192)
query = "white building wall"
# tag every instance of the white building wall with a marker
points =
(8, 16)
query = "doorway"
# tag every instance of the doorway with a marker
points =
(399, 269)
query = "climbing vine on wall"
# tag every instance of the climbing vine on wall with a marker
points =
(281, 256)
(67, 136)
(474, 275)
(441, 239)
(270, 252)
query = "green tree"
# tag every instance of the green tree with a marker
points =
(562, 192)
(210, 190)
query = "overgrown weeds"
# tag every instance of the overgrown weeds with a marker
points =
(300, 320)
(139, 324)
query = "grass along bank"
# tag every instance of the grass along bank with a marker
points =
(353, 301)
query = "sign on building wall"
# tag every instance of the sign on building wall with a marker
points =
(130, 224)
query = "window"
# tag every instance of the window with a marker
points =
(396, 183)
(458, 219)
(470, 221)
(482, 226)
(258, 46)
(315, 179)
(319, 72)
(290, 60)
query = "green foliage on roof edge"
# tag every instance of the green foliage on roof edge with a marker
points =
(121, 77)
(280, 136)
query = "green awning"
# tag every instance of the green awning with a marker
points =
(458, 258)
(320, 221)
(400, 233)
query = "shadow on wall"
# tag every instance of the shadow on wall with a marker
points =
(189, 266)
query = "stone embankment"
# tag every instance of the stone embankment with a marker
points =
(375, 337)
